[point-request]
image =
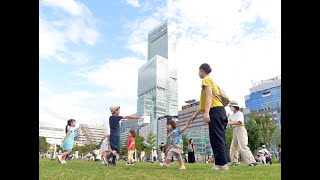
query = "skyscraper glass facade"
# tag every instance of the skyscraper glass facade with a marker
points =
(157, 91)
(265, 97)
(157, 78)
(265, 94)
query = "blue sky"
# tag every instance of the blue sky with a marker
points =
(90, 51)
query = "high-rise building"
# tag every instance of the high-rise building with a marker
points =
(52, 135)
(89, 134)
(157, 78)
(265, 97)
(198, 130)
(162, 40)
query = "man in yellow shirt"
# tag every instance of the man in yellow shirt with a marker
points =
(215, 116)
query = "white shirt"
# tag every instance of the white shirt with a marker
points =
(238, 116)
(264, 150)
(154, 153)
(97, 153)
(142, 154)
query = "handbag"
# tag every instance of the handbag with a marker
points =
(223, 97)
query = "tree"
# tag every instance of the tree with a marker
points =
(276, 138)
(150, 143)
(267, 127)
(123, 148)
(43, 145)
(139, 143)
(254, 133)
(229, 134)
(185, 143)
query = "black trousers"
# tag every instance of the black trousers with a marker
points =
(217, 134)
(191, 158)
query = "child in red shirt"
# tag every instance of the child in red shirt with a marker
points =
(131, 146)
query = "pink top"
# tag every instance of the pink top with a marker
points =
(177, 150)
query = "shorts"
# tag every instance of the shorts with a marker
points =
(115, 143)
(173, 153)
(130, 154)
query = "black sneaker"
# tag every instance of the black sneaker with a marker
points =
(253, 164)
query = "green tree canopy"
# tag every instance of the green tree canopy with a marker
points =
(43, 145)
(254, 133)
(185, 143)
(150, 142)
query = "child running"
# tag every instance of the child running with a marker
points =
(131, 146)
(67, 142)
(115, 132)
(105, 148)
(175, 143)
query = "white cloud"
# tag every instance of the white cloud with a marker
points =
(134, 3)
(215, 32)
(77, 27)
(137, 41)
(56, 108)
(239, 39)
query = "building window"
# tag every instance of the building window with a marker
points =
(265, 94)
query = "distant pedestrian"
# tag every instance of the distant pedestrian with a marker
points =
(105, 148)
(191, 151)
(279, 152)
(67, 142)
(142, 155)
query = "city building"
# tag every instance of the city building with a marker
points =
(198, 130)
(125, 126)
(265, 97)
(144, 131)
(89, 134)
(162, 40)
(124, 138)
(52, 135)
(157, 78)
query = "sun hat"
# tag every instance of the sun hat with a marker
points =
(113, 108)
(233, 103)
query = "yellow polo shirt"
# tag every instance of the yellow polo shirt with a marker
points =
(208, 82)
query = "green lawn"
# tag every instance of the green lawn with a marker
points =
(80, 169)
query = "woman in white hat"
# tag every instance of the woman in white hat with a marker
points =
(239, 137)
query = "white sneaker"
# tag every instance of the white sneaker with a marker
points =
(59, 158)
(182, 167)
(218, 167)
(215, 167)
(63, 162)
(224, 167)
(164, 165)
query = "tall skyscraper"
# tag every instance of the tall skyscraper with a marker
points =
(157, 78)
(162, 40)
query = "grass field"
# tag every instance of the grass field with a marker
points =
(85, 170)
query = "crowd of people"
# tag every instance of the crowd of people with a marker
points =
(214, 114)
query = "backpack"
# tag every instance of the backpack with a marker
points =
(190, 149)
(223, 97)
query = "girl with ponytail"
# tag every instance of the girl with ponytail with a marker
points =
(67, 142)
